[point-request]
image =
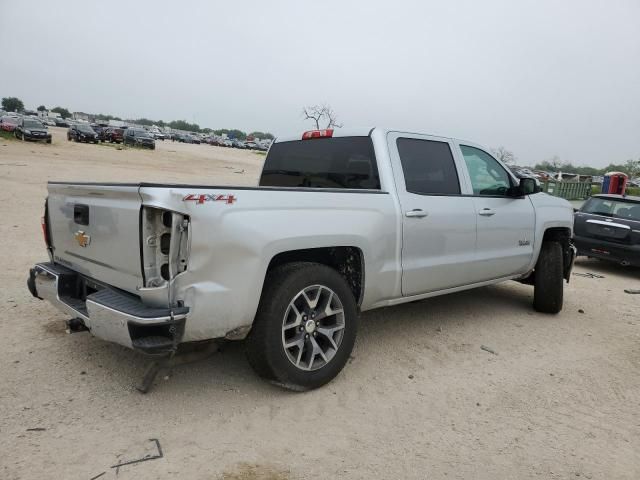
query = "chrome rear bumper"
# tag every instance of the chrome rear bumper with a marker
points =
(108, 313)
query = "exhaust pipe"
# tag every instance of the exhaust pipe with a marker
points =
(625, 263)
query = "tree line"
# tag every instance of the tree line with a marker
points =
(631, 167)
(14, 104)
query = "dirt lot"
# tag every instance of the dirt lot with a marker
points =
(560, 398)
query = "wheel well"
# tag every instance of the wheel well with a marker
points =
(557, 234)
(563, 236)
(347, 261)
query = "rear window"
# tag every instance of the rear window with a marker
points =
(342, 162)
(612, 208)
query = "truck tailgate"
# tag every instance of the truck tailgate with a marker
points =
(95, 230)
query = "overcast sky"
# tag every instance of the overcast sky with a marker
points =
(541, 78)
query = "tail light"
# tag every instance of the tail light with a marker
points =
(43, 222)
(326, 133)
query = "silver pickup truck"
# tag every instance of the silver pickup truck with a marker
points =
(341, 222)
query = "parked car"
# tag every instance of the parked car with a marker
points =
(159, 136)
(100, 131)
(186, 138)
(608, 227)
(82, 132)
(235, 143)
(48, 121)
(114, 134)
(8, 123)
(30, 128)
(381, 218)
(139, 137)
(61, 122)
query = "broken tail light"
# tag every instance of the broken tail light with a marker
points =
(44, 223)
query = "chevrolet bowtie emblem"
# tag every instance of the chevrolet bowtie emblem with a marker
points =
(82, 238)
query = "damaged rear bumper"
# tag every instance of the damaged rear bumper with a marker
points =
(107, 312)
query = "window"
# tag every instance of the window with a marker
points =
(487, 175)
(609, 207)
(428, 167)
(339, 162)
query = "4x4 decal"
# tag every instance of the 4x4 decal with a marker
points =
(200, 198)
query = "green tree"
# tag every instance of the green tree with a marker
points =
(42, 108)
(261, 135)
(184, 125)
(235, 133)
(64, 113)
(12, 104)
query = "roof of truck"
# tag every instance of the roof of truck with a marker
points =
(356, 132)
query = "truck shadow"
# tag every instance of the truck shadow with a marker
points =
(420, 321)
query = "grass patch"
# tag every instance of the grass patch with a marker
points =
(7, 135)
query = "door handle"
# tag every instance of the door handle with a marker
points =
(416, 212)
(486, 212)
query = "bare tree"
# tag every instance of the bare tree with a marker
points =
(318, 113)
(504, 155)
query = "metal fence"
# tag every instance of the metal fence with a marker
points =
(568, 190)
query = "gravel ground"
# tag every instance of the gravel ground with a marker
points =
(558, 398)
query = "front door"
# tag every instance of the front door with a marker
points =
(505, 224)
(438, 223)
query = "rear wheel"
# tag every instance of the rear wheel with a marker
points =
(548, 286)
(305, 327)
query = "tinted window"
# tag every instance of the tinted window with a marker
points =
(487, 175)
(612, 208)
(343, 162)
(32, 124)
(428, 167)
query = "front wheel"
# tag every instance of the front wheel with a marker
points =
(305, 327)
(548, 284)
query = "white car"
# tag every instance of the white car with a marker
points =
(341, 222)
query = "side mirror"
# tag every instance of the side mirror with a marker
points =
(527, 186)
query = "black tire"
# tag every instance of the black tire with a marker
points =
(549, 282)
(264, 345)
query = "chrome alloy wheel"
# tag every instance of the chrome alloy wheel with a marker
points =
(313, 327)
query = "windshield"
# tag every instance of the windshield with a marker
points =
(85, 128)
(614, 208)
(343, 162)
(32, 124)
(141, 133)
(9, 120)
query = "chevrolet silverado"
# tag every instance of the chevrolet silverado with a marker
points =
(341, 222)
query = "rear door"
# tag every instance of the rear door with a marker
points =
(506, 224)
(95, 230)
(438, 223)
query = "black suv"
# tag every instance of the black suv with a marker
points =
(139, 137)
(81, 132)
(32, 129)
(608, 227)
